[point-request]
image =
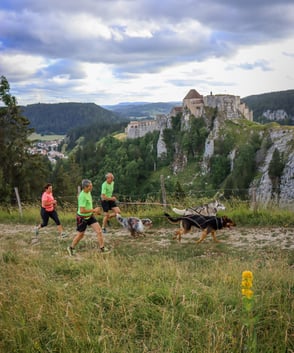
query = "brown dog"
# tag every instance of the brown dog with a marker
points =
(208, 224)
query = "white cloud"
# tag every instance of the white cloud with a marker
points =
(111, 51)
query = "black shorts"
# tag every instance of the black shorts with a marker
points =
(83, 223)
(108, 205)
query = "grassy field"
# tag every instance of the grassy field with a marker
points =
(35, 136)
(150, 294)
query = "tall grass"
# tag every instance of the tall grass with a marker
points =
(239, 211)
(141, 297)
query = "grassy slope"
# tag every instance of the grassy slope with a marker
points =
(149, 295)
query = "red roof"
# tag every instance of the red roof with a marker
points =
(193, 94)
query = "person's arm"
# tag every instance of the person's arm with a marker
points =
(49, 202)
(92, 210)
(105, 198)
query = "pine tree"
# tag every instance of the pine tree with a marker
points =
(16, 164)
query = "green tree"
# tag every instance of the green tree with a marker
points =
(16, 163)
(219, 169)
(275, 169)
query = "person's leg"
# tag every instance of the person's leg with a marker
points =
(98, 230)
(105, 207)
(54, 216)
(81, 228)
(45, 219)
(116, 210)
(105, 219)
(77, 239)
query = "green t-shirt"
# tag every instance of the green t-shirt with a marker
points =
(107, 189)
(85, 200)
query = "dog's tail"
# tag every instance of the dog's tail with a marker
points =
(172, 219)
(119, 218)
(180, 212)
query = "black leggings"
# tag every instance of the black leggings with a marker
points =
(49, 214)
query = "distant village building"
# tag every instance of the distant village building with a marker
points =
(49, 149)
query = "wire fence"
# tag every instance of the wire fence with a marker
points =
(167, 199)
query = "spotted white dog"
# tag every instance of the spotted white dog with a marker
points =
(134, 225)
(208, 209)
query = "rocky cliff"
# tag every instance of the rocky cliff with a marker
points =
(261, 191)
(262, 188)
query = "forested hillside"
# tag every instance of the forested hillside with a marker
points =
(62, 117)
(283, 100)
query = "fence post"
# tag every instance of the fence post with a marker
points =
(254, 200)
(18, 200)
(163, 191)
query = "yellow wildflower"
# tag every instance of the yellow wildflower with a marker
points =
(246, 283)
(248, 293)
(247, 275)
(247, 280)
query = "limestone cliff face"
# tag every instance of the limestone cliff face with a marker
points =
(261, 189)
(283, 140)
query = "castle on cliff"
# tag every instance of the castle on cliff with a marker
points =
(193, 104)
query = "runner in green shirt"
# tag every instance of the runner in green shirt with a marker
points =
(85, 218)
(108, 201)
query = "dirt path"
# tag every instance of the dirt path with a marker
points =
(241, 237)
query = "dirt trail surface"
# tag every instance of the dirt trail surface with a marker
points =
(239, 237)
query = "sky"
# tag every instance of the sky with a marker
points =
(112, 51)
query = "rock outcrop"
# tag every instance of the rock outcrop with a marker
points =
(262, 188)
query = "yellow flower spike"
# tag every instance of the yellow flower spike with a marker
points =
(248, 293)
(247, 275)
(246, 283)
(247, 280)
(248, 316)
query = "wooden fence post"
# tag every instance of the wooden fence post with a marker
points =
(163, 191)
(18, 200)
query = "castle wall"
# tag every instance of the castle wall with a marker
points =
(137, 129)
(229, 104)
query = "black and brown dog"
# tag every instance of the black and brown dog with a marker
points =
(208, 224)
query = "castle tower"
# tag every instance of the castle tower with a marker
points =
(193, 102)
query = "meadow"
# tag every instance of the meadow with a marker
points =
(40, 137)
(150, 294)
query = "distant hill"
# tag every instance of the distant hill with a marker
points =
(260, 104)
(273, 101)
(141, 110)
(61, 117)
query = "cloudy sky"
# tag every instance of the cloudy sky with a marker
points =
(112, 51)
